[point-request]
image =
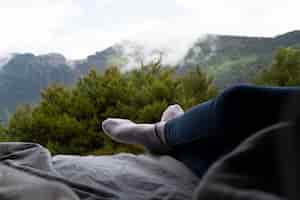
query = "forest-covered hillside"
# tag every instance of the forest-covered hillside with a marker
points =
(236, 59)
(68, 120)
(227, 59)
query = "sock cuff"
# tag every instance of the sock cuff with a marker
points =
(159, 129)
(159, 133)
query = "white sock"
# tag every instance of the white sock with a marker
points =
(128, 132)
(149, 135)
(172, 112)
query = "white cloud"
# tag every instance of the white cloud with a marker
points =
(31, 26)
(256, 17)
(79, 28)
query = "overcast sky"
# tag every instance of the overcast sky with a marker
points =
(78, 28)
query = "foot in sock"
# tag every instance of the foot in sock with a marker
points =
(172, 112)
(149, 135)
(128, 132)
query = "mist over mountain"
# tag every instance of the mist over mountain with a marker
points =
(229, 59)
(99, 60)
(236, 59)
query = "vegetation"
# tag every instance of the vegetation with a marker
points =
(68, 120)
(236, 59)
(228, 59)
(284, 71)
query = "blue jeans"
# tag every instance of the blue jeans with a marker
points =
(211, 129)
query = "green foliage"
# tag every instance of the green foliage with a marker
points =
(3, 134)
(284, 71)
(194, 87)
(236, 59)
(68, 120)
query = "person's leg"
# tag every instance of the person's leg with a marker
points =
(236, 112)
(211, 129)
(207, 131)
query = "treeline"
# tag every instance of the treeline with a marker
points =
(284, 71)
(68, 119)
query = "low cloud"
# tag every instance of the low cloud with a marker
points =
(80, 28)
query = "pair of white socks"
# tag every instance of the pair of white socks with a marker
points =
(150, 136)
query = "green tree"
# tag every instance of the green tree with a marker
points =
(4, 136)
(284, 71)
(68, 119)
(195, 87)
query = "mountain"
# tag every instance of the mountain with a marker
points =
(229, 59)
(25, 75)
(235, 59)
(98, 61)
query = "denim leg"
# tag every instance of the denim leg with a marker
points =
(211, 129)
(186, 128)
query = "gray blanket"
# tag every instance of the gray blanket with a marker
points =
(28, 171)
(255, 169)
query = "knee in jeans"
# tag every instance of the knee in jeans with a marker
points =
(233, 94)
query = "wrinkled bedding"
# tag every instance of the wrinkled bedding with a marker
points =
(256, 169)
(135, 177)
(122, 176)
